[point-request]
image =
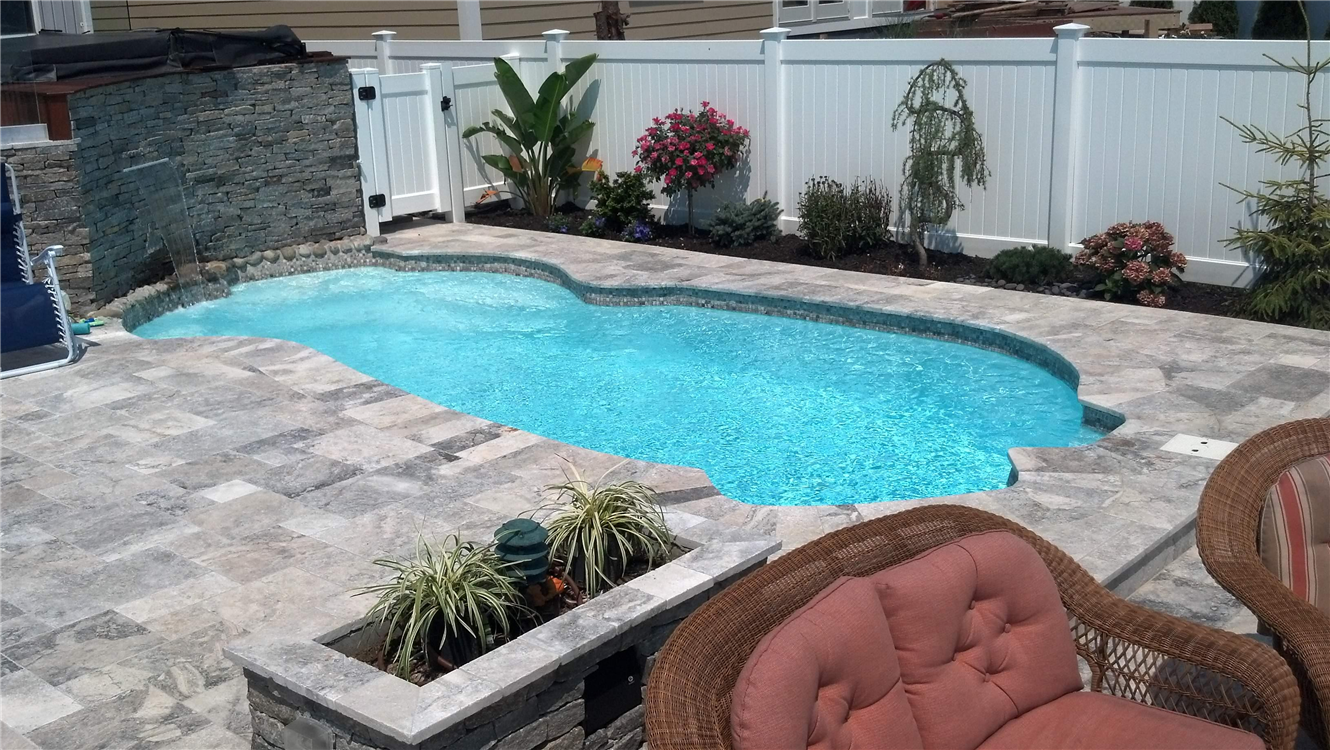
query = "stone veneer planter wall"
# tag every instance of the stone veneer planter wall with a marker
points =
(266, 158)
(537, 692)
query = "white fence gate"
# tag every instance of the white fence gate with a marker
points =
(410, 155)
(1081, 133)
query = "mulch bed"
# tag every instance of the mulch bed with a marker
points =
(892, 260)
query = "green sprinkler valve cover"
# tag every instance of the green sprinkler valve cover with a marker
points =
(524, 544)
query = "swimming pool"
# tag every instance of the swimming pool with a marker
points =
(777, 411)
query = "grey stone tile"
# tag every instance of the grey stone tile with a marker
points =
(138, 720)
(280, 448)
(7, 666)
(10, 739)
(250, 558)
(359, 394)
(227, 706)
(213, 470)
(364, 447)
(246, 515)
(287, 596)
(1283, 383)
(304, 475)
(362, 494)
(469, 439)
(31, 703)
(114, 533)
(192, 664)
(79, 648)
(114, 457)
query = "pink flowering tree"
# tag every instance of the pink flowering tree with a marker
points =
(1134, 261)
(687, 151)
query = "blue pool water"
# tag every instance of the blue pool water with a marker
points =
(776, 411)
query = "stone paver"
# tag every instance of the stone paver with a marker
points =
(161, 497)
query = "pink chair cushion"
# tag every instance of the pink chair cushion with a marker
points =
(1094, 721)
(980, 634)
(825, 678)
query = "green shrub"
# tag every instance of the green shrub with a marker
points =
(836, 221)
(454, 600)
(558, 223)
(594, 226)
(1030, 265)
(1221, 14)
(740, 224)
(623, 201)
(1283, 19)
(596, 528)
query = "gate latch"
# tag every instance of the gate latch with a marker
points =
(365, 93)
(377, 201)
(446, 104)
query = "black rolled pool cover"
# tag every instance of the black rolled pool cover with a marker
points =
(54, 56)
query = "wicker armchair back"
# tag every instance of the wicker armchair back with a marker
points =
(1133, 652)
(1227, 525)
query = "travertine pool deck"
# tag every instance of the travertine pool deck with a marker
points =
(163, 497)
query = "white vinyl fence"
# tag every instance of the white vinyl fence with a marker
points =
(1080, 133)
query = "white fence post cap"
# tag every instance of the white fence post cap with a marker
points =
(774, 34)
(555, 35)
(1071, 29)
(385, 35)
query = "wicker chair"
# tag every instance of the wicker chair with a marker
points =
(1132, 651)
(1227, 526)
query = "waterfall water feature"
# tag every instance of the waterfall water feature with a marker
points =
(161, 205)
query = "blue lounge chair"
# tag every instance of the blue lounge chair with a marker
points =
(32, 312)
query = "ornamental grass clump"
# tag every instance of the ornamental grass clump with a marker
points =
(836, 221)
(1133, 261)
(445, 607)
(596, 529)
(687, 151)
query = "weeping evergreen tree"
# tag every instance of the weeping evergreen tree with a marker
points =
(1291, 237)
(1280, 19)
(943, 140)
(1221, 14)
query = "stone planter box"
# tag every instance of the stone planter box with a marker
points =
(575, 682)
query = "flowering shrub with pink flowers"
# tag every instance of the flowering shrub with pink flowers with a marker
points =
(689, 150)
(1133, 261)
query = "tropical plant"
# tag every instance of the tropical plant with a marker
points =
(835, 221)
(449, 601)
(1285, 19)
(1030, 265)
(740, 223)
(1222, 15)
(623, 201)
(1291, 238)
(689, 150)
(1133, 260)
(540, 138)
(597, 528)
(943, 137)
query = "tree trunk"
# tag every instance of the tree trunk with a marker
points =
(610, 21)
(691, 230)
(917, 235)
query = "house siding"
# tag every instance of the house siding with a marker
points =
(500, 19)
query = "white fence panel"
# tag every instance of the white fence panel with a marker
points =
(1153, 145)
(1080, 133)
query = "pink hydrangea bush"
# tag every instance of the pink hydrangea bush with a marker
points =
(687, 151)
(1134, 261)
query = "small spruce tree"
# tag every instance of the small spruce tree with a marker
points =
(1291, 238)
(1221, 14)
(1280, 19)
(943, 138)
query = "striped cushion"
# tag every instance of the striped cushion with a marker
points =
(1295, 531)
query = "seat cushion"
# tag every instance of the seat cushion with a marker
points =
(28, 317)
(1094, 721)
(825, 678)
(1295, 531)
(980, 634)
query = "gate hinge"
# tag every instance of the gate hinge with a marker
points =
(446, 104)
(377, 201)
(365, 93)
